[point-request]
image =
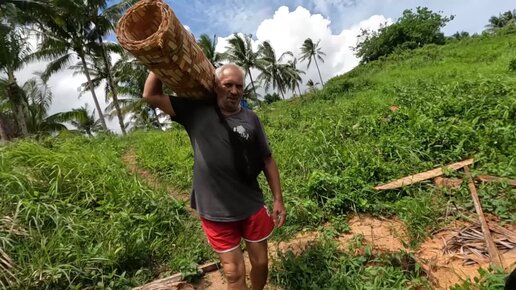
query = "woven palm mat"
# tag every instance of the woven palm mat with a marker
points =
(469, 244)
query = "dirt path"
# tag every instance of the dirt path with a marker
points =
(380, 234)
(129, 159)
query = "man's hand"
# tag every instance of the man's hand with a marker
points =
(278, 213)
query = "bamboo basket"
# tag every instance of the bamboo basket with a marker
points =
(151, 32)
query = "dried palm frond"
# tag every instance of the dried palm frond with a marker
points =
(469, 243)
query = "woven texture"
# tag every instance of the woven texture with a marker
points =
(152, 33)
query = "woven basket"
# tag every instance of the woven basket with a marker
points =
(152, 33)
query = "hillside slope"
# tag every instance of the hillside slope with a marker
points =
(73, 216)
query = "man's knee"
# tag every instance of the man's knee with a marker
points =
(234, 272)
(259, 261)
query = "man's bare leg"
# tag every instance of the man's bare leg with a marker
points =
(234, 269)
(259, 263)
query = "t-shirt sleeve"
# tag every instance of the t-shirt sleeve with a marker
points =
(183, 109)
(261, 139)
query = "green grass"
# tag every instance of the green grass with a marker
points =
(323, 266)
(90, 223)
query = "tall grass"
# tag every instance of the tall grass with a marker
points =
(89, 223)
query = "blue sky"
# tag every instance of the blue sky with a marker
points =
(227, 16)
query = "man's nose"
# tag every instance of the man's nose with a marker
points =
(234, 90)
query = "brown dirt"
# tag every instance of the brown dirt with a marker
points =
(129, 159)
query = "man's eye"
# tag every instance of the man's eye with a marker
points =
(228, 85)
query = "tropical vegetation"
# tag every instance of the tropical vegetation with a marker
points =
(74, 216)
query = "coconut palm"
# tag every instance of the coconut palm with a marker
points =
(38, 98)
(62, 40)
(130, 75)
(240, 51)
(311, 51)
(102, 19)
(503, 19)
(311, 86)
(293, 76)
(14, 53)
(273, 72)
(81, 119)
(208, 47)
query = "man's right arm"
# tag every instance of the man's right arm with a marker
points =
(153, 95)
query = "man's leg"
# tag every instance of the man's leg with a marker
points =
(259, 263)
(234, 269)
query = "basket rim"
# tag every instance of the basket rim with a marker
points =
(154, 37)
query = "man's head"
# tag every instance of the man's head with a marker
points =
(229, 87)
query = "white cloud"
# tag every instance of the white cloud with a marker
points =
(287, 30)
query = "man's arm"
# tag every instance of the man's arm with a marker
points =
(153, 95)
(272, 174)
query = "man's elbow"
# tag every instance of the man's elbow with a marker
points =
(150, 99)
(147, 97)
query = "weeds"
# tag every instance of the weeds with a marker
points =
(322, 266)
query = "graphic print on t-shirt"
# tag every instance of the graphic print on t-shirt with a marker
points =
(241, 131)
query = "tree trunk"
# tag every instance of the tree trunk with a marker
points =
(252, 83)
(281, 91)
(13, 93)
(92, 89)
(3, 135)
(113, 88)
(322, 83)
(299, 90)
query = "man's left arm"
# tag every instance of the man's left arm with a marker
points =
(272, 174)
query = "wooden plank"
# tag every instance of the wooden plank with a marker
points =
(210, 267)
(177, 278)
(489, 178)
(494, 256)
(423, 175)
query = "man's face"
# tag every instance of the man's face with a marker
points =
(230, 89)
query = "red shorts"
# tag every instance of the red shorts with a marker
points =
(225, 236)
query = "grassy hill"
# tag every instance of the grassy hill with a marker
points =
(72, 216)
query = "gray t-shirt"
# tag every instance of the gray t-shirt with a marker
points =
(219, 192)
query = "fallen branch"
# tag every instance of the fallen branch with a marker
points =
(423, 175)
(489, 178)
(177, 279)
(494, 255)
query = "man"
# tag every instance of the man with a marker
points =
(229, 202)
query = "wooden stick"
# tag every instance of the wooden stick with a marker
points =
(494, 256)
(177, 278)
(423, 176)
(489, 178)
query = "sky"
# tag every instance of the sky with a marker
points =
(286, 24)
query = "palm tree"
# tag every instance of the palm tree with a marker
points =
(62, 39)
(38, 98)
(102, 19)
(294, 76)
(312, 86)
(273, 72)
(208, 47)
(240, 51)
(81, 119)
(130, 75)
(14, 53)
(507, 18)
(311, 50)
